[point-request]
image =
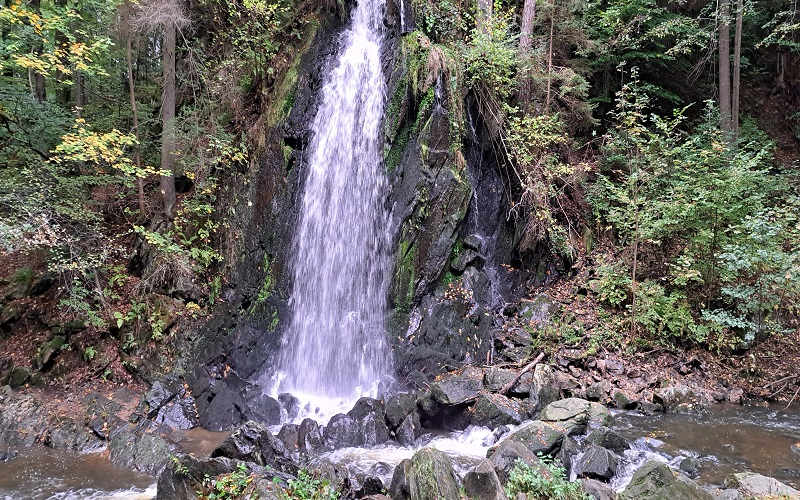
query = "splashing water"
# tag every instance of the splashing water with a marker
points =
(336, 345)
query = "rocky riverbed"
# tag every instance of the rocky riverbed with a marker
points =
(405, 441)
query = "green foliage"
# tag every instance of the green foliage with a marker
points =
(309, 487)
(491, 57)
(543, 482)
(443, 21)
(236, 484)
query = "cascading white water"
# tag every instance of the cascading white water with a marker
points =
(336, 345)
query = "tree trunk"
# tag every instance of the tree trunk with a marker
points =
(39, 89)
(484, 17)
(137, 148)
(737, 59)
(725, 67)
(168, 118)
(550, 57)
(63, 92)
(526, 32)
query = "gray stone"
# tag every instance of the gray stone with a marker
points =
(493, 410)
(622, 400)
(655, 481)
(606, 438)
(309, 438)
(133, 448)
(408, 431)
(598, 490)
(573, 414)
(458, 387)
(596, 463)
(751, 484)
(539, 437)
(482, 483)
(19, 375)
(506, 454)
(431, 476)
(673, 397)
(252, 442)
(398, 407)
(544, 388)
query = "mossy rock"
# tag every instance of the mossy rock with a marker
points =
(655, 481)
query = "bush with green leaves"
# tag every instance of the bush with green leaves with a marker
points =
(308, 486)
(237, 484)
(544, 481)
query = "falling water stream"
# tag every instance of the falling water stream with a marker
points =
(336, 345)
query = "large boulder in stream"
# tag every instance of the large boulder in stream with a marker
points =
(253, 442)
(752, 485)
(506, 454)
(538, 437)
(574, 414)
(493, 410)
(458, 387)
(655, 481)
(428, 475)
(364, 425)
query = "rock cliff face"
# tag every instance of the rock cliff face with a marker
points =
(455, 266)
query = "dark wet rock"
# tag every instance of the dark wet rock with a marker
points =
(133, 448)
(309, 438)
(596, 463)
(655, 481)
(370, 485)
(465, 258)
(22, 419)
(399, 488)
(606, 438)
(42, 284)
(265, 409)
(458, 387)
(19, 375)
(7, 455)
(222, 407)
(493, 410)
(482, 483)
(674, 397)
(408, 431)
(342, 432)
(289, 436)
(253, 442)
(736, 395)
(596, 392)
(290, 404)
(598, 490)
(398, 407)
(167, 403)
(431, 476)
(496, 378)
(752, 485)
(506, 454)
(539, 437)
(690, 466)
(538, 311)
(622, 400)
(570, 449)
(648, 408)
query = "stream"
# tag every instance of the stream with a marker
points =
(723, 439)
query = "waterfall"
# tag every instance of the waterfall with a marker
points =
(336, 345)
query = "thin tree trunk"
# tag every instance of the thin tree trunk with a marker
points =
(39, 89)
(550, 57)
(526, 31)
(168, 118)
(137, 147)
(484, 16)
(63, 92)
(737, 59)
(725, 67)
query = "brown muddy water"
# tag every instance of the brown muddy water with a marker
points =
(722, 439)
(42, 473)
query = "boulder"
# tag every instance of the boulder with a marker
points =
(409, 430)
(398, 407)
(19, 375)
(289, 435)
(482, 483)
(428, 475)
(458, 387)
(7, 455)
(265, 409)
(655, 481)
(253, 442)
(750, 484)
(674, 397)
(290, 404)
(596, 463)
(569, 452)
(538, 437)
(309, 438)
(622, 400)
(597, 490)
(131, 447)
(493, 410)
(364, 425)
(342, 432)
(506, 454)
(606, 438)
(574, 414)
(544, 389)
